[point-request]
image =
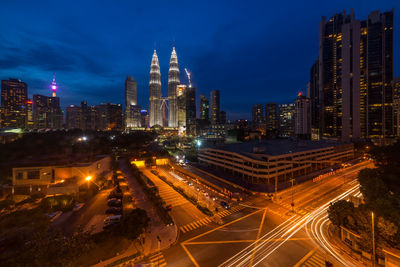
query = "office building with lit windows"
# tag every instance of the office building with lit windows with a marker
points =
(14, 94)
(355, 77)
(271, 118)
(271, 162)
(215, 106)
(286, 119)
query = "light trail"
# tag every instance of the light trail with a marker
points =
(316, 232)
(285, 230)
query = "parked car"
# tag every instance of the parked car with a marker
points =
(111, 221)
(78, 206)
(114, 202)
(114, 210)
(54, 215)
(115, 194)
(225, 205)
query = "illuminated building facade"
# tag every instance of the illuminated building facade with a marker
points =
(396, 106)
(29, 114)
(355, 77)
(286, 119)
(14, 94)
(109, 117)
(74, 117)
(155, 109)
(173, 82)
(132, 110)
(313, 94)
(215, 106)
(191, 110)
(181, 104)
(303, 117)
(204, 109)
(271, 118)
(47, 113)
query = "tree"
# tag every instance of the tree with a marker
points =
(339, 211)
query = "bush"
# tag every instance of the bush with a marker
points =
(55, 203)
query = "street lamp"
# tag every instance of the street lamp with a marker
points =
(373, 239)
(89, 179)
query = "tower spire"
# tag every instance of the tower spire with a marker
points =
(54, 85)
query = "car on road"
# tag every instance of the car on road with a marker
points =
(225, 205)
(168, 208)
(114, 210)
(114, 202)
(111, 221)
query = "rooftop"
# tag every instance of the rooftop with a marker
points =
(275, 147)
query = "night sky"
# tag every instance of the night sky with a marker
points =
(253, 51)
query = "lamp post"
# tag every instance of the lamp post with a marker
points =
(89, 179)
(373, 239)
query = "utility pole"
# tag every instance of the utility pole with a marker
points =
(373, 239)
(292, 204)
(159, 243)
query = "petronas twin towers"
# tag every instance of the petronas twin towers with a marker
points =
(156, 99)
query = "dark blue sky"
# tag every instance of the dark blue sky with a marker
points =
(253, 51)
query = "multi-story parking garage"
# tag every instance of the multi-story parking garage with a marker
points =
(274, 161)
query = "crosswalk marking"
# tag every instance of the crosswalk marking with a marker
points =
(158, 259)
(206, 220)
(316, 260)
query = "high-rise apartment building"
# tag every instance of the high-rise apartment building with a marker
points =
(271, 117)
(29, 114)
(181, 105)
(74, 118)
(286, 119)
(355, 74)
(313, 94)
(14, 94)
(155, 109)
(215, 106)
(173, 82)
(222, 117)
(132, 110)
(47, 113)
(109, 117)
(204, 109)
(303, 117)
(257, 115)
(396, 106)
(191, 110)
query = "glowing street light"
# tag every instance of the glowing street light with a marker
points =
(88, 178)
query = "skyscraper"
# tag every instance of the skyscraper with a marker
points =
(314, 99)
(132, 110)
(204, 109)
(303, 116)
(14, 94)
(191, 110)
(109, 117)
(215, 106)
(181, 104)
(155, 111)
(355, 76)
(47, 113)
(173, 81)
(396, 105)
(271, 118)
(73, 117)
(257, 115)
(286, 119)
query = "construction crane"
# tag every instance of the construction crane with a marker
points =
(189, 77)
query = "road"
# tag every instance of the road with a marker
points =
(266, 233)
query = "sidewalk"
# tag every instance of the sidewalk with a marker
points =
(167, 234)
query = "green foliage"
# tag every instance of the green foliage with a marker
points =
(339, 211)
(151, 193)
(205, 210)
(55, 203)
(133, 224)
